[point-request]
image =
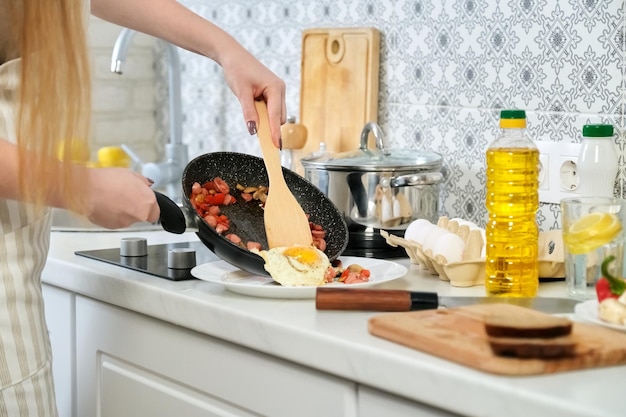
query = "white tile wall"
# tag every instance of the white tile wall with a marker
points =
(447, 67)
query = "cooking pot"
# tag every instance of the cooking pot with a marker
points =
(378, 188)
(246, 219)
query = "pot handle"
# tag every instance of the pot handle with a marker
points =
(409, 180)
(378, 135)
(173, 218)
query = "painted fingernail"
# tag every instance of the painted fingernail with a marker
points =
(252, 127)
(280, 143)
(150, 181)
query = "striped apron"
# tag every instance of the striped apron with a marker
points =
(25, 356)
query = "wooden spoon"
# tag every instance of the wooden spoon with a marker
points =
(286, 224)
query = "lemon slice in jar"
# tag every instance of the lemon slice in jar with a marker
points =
(591, 231)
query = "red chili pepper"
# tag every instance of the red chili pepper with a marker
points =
(609, 286)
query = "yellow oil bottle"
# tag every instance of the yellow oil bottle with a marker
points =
(512, 202)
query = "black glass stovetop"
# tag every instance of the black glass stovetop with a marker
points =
(155, 262)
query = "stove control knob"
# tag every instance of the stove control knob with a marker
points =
(134, 246)
(181, 258)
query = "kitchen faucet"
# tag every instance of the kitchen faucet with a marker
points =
(169, 172)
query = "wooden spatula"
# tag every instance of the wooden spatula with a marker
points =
(286, 224)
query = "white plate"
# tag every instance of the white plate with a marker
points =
(242, 282)
(588, 311)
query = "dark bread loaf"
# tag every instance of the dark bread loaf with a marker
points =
(528, 324)
(526, 348)
(525, 333)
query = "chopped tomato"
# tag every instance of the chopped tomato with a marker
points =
(352, 275)
(203, 207)
(215, 199)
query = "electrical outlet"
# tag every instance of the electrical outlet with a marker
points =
(558, 174)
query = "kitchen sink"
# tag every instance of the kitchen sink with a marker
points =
(67, 221)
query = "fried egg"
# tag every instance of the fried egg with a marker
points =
(296, 265)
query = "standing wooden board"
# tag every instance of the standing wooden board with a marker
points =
(459, 335)
(339, 87)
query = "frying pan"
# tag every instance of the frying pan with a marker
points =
(246, 218)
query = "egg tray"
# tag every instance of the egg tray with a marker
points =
(470, 271)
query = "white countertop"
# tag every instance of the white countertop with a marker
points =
(331, 341)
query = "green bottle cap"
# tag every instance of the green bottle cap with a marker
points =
(513, 114)
(598, 131)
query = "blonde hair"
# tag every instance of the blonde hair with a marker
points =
(54, 97)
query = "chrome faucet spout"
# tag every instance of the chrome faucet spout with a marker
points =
(120, 49)
(176, 153)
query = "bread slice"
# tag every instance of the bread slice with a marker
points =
(526, 348)
(528, 324)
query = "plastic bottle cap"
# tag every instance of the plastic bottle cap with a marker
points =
(598, 131)
(512, 119)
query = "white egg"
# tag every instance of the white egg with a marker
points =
(432, 237)
(417, 230)
(450, 246)
(296, 265)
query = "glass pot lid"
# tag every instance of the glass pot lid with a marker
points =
(379, 159)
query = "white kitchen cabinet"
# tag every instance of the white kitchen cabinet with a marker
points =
(59, 310)
(132, 365)
(375, 403)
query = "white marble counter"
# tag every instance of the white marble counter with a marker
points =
(333, 342)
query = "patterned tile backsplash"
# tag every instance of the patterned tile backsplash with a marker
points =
(446, 68)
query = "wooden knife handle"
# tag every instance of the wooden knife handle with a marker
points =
(362, 299)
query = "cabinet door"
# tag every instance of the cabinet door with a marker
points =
(132, 365)
(126, 390)
(375, 403)
(59, 310)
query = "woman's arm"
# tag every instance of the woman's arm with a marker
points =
(167, 19)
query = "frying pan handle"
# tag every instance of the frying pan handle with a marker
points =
(172, 218)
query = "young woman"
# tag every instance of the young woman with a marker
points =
(45, 109)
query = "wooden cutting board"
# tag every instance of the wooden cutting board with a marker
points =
(339, 87)
(459, 335)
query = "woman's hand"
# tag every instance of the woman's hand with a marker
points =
(249, 80)
(119, 197)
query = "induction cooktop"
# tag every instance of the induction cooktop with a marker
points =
(155, 261)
